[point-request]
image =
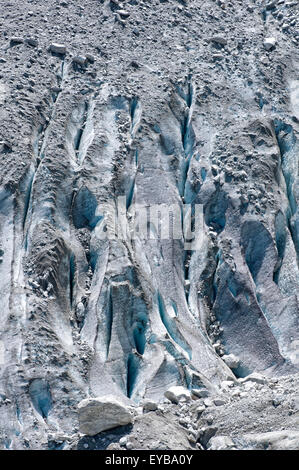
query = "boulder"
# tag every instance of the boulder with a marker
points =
(208, 402)
(199, 411)
(206, 434)
(231, 361)
(221, 443)
(102, 413)
(177, 393)
(149, 405)
(200, 393)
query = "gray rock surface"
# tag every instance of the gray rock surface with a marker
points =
(160, 102)
(278, 440)
(255, 377)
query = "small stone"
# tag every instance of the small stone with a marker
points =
(183, 405)
(184, 422)
(120, 19)
(31, 42)
(208, 402)
(80, 309)
(130, 445)
(219, 40)
(271, 6)
(90, 58)
(161, 408)
(16, 40)
(5, 147)
(201, 393)
(219, 401)
(80, 60)
(276, 402)
(264, 60)
(134, 64)
(217, 56)
(123, 441)
(269, 43)
(58, 48)
(209, 419)
(123, 13)
(191, 438)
